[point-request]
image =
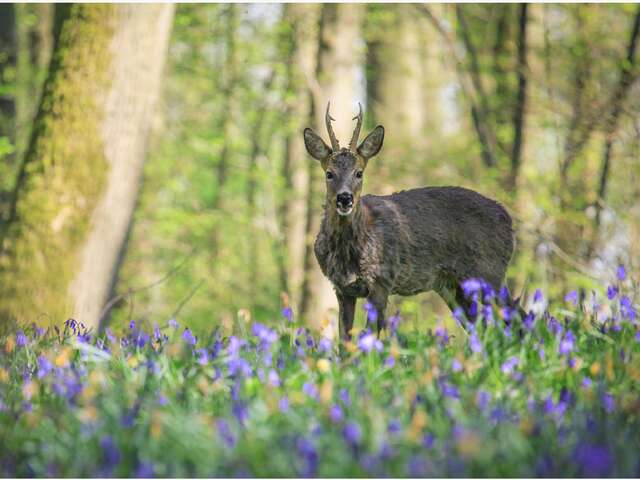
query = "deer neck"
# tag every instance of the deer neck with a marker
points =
(343, 230)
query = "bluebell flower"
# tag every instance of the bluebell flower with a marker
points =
(335, 413)
(21, 339)
(394, 427)
(608, 402)
(449, 390)
(504, 296)
(394, 322)
(389, 361)
(417, 467)
(266, 335)
(372, 313)
(173, 323)
(283, 404)
(638, 336)
(471, 287)
(188, 337)
(428, 439)
(474, 343)
(594, 461)
(567, 344)
(287, 313)
(586, 382)
(572, 297)
(274, 379)
(482, 399)
(225, 433)
(538, 296)
(132, 324)
(508, 366)
(458, 315)
(309, 454)
(344, 397)
(325, 345)
(203, 356)
(442, 335)
(529, 321)
(627, 309)
(456, 366)
(145, 470)
(352, 433)
(368, 342)
(612, 292)
(621, 273)
(110, 452)
(162, 399)
(157, 335)
(239, 367)
(487, 313)
(310, 390)
(240, 411)
(44, 366)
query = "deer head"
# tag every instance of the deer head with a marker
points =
(344, 167)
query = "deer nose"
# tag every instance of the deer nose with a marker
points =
(344, 200)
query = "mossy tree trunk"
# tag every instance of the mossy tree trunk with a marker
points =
(77, 187)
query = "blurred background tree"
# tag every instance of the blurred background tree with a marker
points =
(537, 106)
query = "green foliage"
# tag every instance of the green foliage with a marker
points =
(558, 399)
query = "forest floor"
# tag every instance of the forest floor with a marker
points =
(554, 394)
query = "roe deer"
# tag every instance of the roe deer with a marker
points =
(413, 241)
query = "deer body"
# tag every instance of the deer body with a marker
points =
(414, 241)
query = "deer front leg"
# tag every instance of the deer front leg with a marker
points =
(347, 309)
(378, 298)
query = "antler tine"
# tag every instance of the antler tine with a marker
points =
(356, 133)
(332, 136)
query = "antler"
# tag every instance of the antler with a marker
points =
(332, 136)
(356, 133)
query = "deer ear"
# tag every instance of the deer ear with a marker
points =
(371, 145)
(315, 145)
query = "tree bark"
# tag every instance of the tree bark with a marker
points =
(521, 99)
(626, 78)
(78, 184)
(340, 30)
(8, 49)
(304, 19)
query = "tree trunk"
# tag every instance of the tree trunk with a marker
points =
(521, 99)
(340, 30)
(305, 19)
(8, 48)
(78, 185)
(627, 74)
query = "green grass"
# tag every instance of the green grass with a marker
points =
(272, 402)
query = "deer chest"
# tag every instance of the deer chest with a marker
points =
(344, 268)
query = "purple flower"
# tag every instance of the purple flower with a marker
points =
(471, 287)
(638, 336)
(188, 337)
(240, 411)
(529, 320)
(239, 367)
(595, 461)
(572, 297)
(586, 382)
(456, 366)
(608, 402)
(225, 433)
(157, 335)
(389, 361)
(325, 345)
(310, 390)
(283, 404)
(612, 291)
(482, 399)
(266, 335)
(449, 390)
(173, 323)
(372, 312)
(474, 343)
(368, 342)
(352, 433)
(21, 339)
(417, 466)
(44, 366)
(344, 396)
(567, 344)
(162, 399)
(287, 313)
(274, 379)
(621, 273)
(442, 335)
(508, 366)
(458, 315)
(537, 296)
(504, 296)
(394, 427)
(394, 322)
(308, 452)
(110, 452)
(487, 313)
(132, 324)
(428, 440)
(335, 413)
(145, 470)
(626, 308)
(203, 356)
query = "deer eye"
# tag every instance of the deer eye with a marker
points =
(359, 174)
(329, 175)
